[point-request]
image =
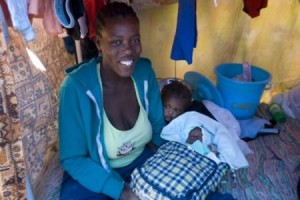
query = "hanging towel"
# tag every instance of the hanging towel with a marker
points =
(253, 7)
(186, 31)
(19, 17)
(63, 13)
(68, 11)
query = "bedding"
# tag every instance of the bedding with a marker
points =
(213, 132)
(176, 172)
(274, 166)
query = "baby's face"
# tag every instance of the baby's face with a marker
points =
(194, 135)
(173, 108)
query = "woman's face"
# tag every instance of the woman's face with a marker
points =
(173, 107)
(120, 45)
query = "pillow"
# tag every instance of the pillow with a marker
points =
(176, 172)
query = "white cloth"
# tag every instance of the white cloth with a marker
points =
(289, 102)
(213, 133)
(226, 118)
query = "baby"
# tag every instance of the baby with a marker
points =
(194, 141)
(177, 99)
(196, 130)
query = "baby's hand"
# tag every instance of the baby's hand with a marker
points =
(213, 148)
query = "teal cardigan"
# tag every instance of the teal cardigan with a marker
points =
(82, 150)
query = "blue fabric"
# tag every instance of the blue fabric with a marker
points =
(250, 127)
(71, 189)
(19, 17)
(4, 26)
(63, 13)
(186, 31)
(219, 196)
(69, 44)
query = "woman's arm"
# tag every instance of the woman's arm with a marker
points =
(77, 139)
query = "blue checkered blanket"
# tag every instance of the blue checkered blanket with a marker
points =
(176, 172)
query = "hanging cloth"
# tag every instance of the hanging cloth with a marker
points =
(20, 20)
(186, 31)
(3, 26)
(92, 7)
(253, 7)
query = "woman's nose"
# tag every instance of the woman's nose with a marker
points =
(126, 48)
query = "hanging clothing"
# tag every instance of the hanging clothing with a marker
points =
(252, 8)
(3, 25)
(186, 31)
(92, 7)
(50, 22)
(19, 17)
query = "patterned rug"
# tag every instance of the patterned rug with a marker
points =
(28, 114)
(12, 168)
(274, 166)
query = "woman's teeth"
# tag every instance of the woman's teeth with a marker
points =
(126, 63)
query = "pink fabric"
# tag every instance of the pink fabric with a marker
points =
(45, 9)
(51, 24)
(35, 7)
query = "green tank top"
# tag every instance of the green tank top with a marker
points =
(123, 147)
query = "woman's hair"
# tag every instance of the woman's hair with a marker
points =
(113, 10)
(178, 90)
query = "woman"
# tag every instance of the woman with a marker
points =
(110, 108)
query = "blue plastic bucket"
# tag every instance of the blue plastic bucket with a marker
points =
(240, 97)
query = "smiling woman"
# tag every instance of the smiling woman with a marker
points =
(111, 107)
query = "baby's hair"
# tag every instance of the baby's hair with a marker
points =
(178, 90)
(113, 10)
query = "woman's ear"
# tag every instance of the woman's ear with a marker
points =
(98, 44)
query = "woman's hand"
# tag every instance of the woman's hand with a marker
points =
(127, 194)
(152, 146)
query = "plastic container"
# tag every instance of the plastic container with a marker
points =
(276, 112)
(241, 97)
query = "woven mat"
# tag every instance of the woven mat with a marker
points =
(274, 166)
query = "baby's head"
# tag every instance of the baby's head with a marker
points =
(194, 135)
(176, 98)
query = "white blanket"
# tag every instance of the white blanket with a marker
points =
(213, 133)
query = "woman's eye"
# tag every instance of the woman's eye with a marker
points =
(116, 42)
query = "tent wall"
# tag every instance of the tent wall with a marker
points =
(28, 115)
(227, 34)
(29, 95)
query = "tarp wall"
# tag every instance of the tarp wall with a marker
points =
(227, 34)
